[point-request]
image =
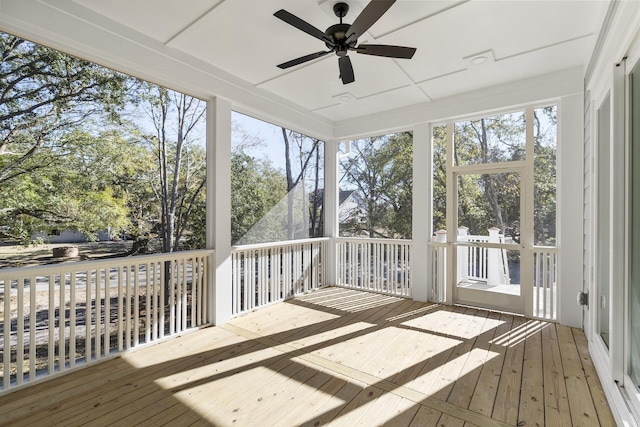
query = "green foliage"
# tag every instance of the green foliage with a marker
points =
(493, 200)
(46, 95)
(380, 169)
(256, 189)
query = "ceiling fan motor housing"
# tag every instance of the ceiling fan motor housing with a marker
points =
(338, 33)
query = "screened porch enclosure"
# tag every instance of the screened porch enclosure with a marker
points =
(405, 248)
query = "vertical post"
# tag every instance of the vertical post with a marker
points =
(421, 215)
(527, 218)
(331, 203)
(495, 274)
(463, 254)
(218, 232)
(570, 205)
(439, 268)
(452, 219)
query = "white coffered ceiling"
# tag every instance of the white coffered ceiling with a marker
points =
(242, 38)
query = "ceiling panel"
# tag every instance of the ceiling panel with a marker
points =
(511, 69)
(396, 98)
(159, 19)
(521, 39)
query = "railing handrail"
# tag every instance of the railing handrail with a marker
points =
(66, 267)
(269, 245)
(550, 249)
(374, 240)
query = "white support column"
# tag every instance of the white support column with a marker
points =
(331, 202)
(527, 218)
(218, 232)
(570, 204)
(421, 216)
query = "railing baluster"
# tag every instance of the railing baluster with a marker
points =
(6, 355)
(169, 279)
(88, 315)
(163, 302)
(19, 332)
(72, 320)
(51, 347)
(185, 292)
(120, 311)
(62, 324)
(136, 305)
(107, 311)
(177, 284)
(128, 316)
(32, 327)
(98, 311)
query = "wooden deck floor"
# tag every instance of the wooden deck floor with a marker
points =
(336, 357)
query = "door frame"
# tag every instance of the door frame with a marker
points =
(521, 304)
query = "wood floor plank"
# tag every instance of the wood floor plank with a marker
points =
(450, 421)
(357, 407)
(531, 411)
(301, 413)
(466, 383)
(556, 404)
(484, 395)
(451, 370)
(115, 408)
(425, 344)
(332, 407)
(75, 385)
(105, 392)
(426, 417)
(507, 399)
(605, 417)
(432, 367)
(403, 414)
(583, 412)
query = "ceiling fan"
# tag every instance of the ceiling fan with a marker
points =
(341, 38)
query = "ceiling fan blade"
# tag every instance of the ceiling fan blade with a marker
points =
(291, 19)
(346, 70)
(371, 13)
(303, 59)
(386, 50)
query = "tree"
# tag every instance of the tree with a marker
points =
(381, 171)
(46, 95)
(48, 101)
(307, 152)
(483, 141)
(256, 189)
(178, 122)
(493, 200)
(80, 191)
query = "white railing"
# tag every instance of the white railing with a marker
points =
(376, 265)
(56, 317)
(266, 273)
(545, 288)
(483, 263)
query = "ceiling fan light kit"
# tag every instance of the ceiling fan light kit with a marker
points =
(341, 38)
